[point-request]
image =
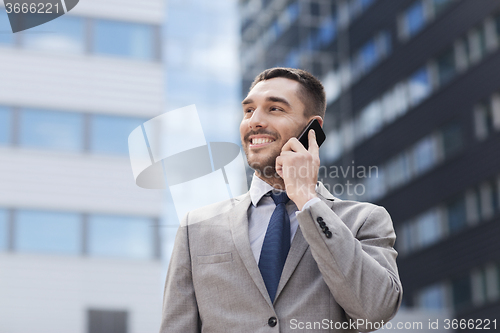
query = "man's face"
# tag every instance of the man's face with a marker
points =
(273, 113)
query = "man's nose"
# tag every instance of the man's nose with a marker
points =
(258, 119)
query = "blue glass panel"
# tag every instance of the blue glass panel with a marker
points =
(4, 231)
(50, 232)
(66, 34)
(119, 236)
(415, 17)
(124, 39)
(419, 86)
(6, 35)
(5, 125)
(369, 55)
(110, 133)
(51, 129)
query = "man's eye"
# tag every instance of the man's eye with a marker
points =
(275, 109)
(248, 110)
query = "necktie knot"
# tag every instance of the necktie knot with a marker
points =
(279, 198)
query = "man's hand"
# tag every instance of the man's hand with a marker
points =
(299, 169)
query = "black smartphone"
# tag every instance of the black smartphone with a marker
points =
(320, 135)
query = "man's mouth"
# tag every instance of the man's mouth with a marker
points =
(258, 142)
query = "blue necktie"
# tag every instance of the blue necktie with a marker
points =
(276, 245)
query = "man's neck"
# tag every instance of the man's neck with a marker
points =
(275, 180)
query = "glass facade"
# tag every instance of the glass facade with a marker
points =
(66, 34)
(132, 40)
(6, 35)
(117, 236)
(414, 18)
(51, 130)
(109, 134)
(47, 232)
(4, 229)
(5, 127)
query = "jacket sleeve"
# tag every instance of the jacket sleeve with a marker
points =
(358, 263)
(180, 310)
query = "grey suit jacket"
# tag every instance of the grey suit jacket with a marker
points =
(346, 283)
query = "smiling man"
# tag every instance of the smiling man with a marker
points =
(287, 255)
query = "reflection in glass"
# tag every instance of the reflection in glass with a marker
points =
(51, 129)
(419, 86)
(52, 232)
(4, 229)
(415, 18)
(461, 292)
(6, 35)
(457, 217)
(452, 139)
(66, 34)
(132, 40)
(446, 67)
(5, 125)
(432, 297)
(109, 134)
(120, 236)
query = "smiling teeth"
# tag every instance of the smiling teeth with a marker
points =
(259, 141)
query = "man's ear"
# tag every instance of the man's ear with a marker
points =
(320, 120)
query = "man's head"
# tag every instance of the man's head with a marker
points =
(279, 105)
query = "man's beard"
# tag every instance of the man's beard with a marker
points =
(267, 167)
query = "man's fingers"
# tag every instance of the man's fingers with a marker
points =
(293, 145)
(313, 144)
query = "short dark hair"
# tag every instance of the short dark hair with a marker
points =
(313, 93)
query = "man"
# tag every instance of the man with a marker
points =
(275, 261)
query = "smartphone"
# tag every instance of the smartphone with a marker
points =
(320, 135)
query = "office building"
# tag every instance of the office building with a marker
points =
(80, 248)
(413, 122)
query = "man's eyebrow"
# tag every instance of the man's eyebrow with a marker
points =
(278, 100)
(269, 99)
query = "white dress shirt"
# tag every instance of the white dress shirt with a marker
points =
(260, 211)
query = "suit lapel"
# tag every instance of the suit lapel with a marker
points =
(239, 228)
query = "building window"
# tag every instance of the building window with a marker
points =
(52, 232)
(461, 292)
(419, 86)
(476, 46)
(51, 130)
(4, 229)
(107, 321)
(425, 154)
(432, 297)
(370, 121)
(117, 236)
(399, 169)
(6, 35)
(109, 134)
(483, 120)
(452, 139)
(5, 125)
(64, 35)
(413, 19)
(371, 53)
(446, 68)
(131, 40)
(429, 228)
(439, 6)
(457, 215)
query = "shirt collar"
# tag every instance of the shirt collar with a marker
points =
(258, 188)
